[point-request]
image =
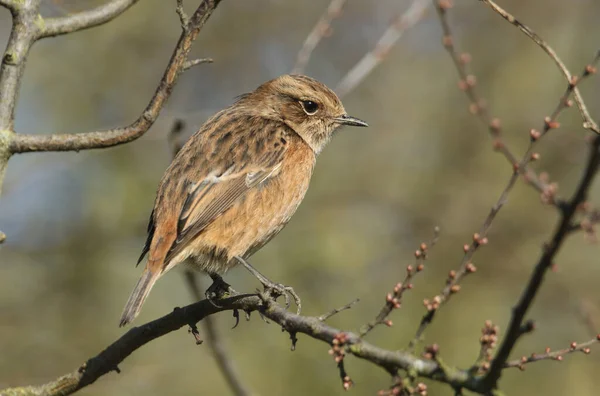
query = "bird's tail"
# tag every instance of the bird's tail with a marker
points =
(138, 296)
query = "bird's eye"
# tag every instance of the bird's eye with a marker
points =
(309, 106)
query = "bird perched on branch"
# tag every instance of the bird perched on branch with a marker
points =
(237, 182)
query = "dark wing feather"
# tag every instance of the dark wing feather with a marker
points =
(151, 229)
(209, 198)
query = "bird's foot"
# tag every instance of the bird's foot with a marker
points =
(218, 290)
(273, 289)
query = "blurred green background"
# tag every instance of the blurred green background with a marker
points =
(76, 222)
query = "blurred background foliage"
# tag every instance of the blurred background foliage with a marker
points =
(76, 222)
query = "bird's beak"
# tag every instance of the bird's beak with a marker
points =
(351, 121)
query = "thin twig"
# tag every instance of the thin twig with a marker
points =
(84, 20)
(372, 59)
(588, 121)
(321, 29)
(393, 300)
(335, 311)
(102, 139)
(480, 238)
(193, 62)
(557, 355)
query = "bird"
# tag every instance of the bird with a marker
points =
(237, 182)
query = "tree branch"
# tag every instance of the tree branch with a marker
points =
(109, 359)
(102, 139)
(22, 36)
(84, 20)
(11, 5)
(372, 59)
(321, 29)
(545, 262)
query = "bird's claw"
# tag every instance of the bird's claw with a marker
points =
(218, 290)
(273, 289)
(276, 290)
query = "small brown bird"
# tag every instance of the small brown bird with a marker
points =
(238, 180)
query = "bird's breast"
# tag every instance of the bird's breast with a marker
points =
(257, 216)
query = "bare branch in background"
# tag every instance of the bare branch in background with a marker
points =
(393, 300)
(477, 105)
(321, 29)
(480, 238)
(102, 139)
(588, 121)
(84, 20)
(372, 59)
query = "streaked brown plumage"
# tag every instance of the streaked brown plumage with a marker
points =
(238, 180)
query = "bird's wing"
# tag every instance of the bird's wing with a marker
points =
(240, 165)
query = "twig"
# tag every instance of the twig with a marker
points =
(193, 62)
(102, 139)
(321, 29)
(553, 355)
(477, 105)
(393, 300)
(335, 311)
(487, 343)
(84, 20)
(545, 262)
(394, 32)
(588, 121)
(107, 360)
(480, 238)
